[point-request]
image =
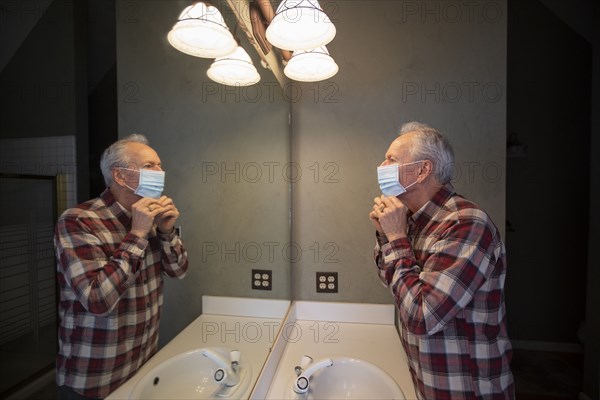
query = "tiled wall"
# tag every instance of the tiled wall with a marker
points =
(48, 156)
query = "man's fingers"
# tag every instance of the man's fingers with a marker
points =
(392, 202)
(165, 201)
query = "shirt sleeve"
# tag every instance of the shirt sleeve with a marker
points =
(458, 264)
(174, 255)
(97, 280)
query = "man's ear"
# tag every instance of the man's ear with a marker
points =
(117, 176)
(426, 170)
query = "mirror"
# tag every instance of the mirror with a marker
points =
(232, 161)
(226, 153)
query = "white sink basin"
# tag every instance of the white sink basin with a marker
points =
(349, 378)
(190, 375)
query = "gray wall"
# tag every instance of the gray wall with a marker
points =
(48, 92)
(550, 48)
(43, 85)
(41, 78)
(397, 64)
(223, 149)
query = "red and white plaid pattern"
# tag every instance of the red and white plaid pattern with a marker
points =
(447, 279)
(111, 294)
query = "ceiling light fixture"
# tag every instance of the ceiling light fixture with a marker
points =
(235, 69)
(201, 31)
(300, 25)
(311, 65)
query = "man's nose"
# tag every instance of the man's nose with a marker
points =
(384, 163)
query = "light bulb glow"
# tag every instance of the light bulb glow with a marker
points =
(201, 31)
(311, 66)
(235, 69)
(300, 25)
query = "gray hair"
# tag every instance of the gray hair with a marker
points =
(114, 156)
(430, 144)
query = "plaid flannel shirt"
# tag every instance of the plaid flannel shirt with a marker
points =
(447, 279)
(111, 294)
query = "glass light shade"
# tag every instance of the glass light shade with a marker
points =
(311, 65)
(300, 25)
(201, 31)
(235, 69)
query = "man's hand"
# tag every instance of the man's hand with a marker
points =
(143, 213)
(147, 211)
(389, 217)
(374, 215)
(167, 215)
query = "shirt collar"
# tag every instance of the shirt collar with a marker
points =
(115, 207)
(425, 213)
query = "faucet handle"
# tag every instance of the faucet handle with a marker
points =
(302, 382)
(305, 361)
(220, 375)
(226, 372)
(234, 356)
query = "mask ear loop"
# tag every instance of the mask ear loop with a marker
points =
(422, 168)
(418, 173)
(128, 169)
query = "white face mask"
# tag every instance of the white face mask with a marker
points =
(151, 183)
(389, 183)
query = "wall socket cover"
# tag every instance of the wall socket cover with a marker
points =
(262, 279)
(327, 282)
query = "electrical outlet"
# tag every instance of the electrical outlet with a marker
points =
(262, 279)
(327, 282)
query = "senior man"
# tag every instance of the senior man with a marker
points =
(112, 253)
(444, 262)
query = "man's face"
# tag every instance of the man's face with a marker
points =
(398, 153)
(141, 157)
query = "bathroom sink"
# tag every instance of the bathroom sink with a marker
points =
(191, 375)
(349, 378)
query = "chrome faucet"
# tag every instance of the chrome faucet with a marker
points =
(228, 371)
(305, 370)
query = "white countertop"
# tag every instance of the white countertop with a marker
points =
(319, 329)
(248, 325)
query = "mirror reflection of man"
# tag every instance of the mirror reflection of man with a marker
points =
(444, 261)
(112, 253)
